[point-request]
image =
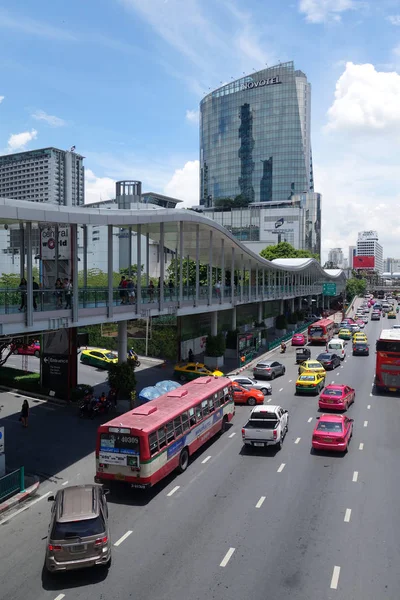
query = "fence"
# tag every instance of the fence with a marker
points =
(12, 483)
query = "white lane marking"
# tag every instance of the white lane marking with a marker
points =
(281, 468)
(342, 367)
(355, 476)
(269, 399)
(232, 434)
(227, 557)
(290, 380)
(335, 578)
(297, 440)
(17, 512)
(309, 420)
(347, 515)
(59, 597)
(368, 407)
(203, 462)
(365, 423)
(260, 502)
(123, 538)
(333, 382)
(281, 390)
(65, 483)
(361, 446)
(175, 489)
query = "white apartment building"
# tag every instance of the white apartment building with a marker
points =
(368, 245)
(48, 175)
(392, 265)
(335, 256)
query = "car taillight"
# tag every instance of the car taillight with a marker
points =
(54, 548)
(340, 440)
(101, 541)
(242, 432)
(268, 369)
(315, 437)
(275, 433)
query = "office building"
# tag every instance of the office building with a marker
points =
(255, 139)
(392, 265)
(352, 253)
(48, 175)
(369, 252)
(335, 256)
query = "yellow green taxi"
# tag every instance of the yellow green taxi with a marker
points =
(310, 383)
(360, 337)
(344, 334)
(312, 366)
(190, 371)
(99, 357)
(391, 314)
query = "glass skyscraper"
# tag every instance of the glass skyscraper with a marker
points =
(255, 138)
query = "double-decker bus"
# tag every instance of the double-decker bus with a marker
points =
(321, 331)
(144, 445)
(387, 372)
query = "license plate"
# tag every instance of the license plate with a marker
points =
(327, 439)
(328, 401)
(392, 389)
(78, 548)
(258, 444)
(120, 477)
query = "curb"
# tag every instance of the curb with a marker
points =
(18, 498)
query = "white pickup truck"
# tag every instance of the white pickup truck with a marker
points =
(267, 426)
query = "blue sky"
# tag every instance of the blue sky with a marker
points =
(122, 79)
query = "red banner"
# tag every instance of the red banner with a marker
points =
(363, 262)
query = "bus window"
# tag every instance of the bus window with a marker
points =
(178, 426)
(170, 432)
(153, 443)
(210, 405)
(198, 413)
(204, 406)
(192, 418)
(185, 421)
(161, 437)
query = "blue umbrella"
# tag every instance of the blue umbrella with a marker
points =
(150, 393)
(167, 385)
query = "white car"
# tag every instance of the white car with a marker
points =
(248, 383)
(354, 328)
(361, 324)
(365, 319)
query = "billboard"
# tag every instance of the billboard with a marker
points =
(48, 243)
(364, 262)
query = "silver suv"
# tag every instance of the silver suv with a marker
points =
(268, 369)
(78, 532)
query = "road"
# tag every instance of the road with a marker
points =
(236, 525)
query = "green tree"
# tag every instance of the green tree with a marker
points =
(203, 270)
(355, 287)
(285, 250)
(134, 271)
(224, 203)
(122, 378)
(241, 201)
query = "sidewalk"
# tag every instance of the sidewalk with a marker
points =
(30, 490)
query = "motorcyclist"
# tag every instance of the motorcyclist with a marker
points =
(132, 355)
(103, 398)
(283, 347)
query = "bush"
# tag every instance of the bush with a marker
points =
(293, 318)
(80, 391)
(163, 343)
(231, 339)
(215, 345)
(280, 322)
(261, 324)
(300, 315)
(121, 377)
(29, 382)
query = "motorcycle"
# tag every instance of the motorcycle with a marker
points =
(133, 361)
(101, 408)
(283, 348)
(86, 407)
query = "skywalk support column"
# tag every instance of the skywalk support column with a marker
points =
(242, 272)
(233, 279)
(210, 269)
(292, 307)
(222, 289)
(29, 282)
(85, 245)
(257, 282)
(260, 312)
(139, 268)
(263, 283)
(110, 262)
(21, 251)
(214, 323)
(162, 266)
(74, 272)
(233, 324)
(180, 263)
(122, 341)
(147, 260)
(197, 265)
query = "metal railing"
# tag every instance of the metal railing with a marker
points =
(12, 483)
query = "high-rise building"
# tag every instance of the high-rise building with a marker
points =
(369, 246)
(352, 253)
(47, 175)
(392, 265)
(255, 138)
(335, 256)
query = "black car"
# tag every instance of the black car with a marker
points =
(328, 360)
(360, 349)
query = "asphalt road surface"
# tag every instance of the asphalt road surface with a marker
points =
(237, 524)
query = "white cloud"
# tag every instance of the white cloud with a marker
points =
(18, 141)
(366, 100)
(394, 19)
(33, 27)
(184, 184)
(1, 99)
(41, 115)
(192, 116)
(321, 11)
(98, 188)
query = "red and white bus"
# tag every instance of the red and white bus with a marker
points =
(144, 445)
(387, 372)
(321, 331)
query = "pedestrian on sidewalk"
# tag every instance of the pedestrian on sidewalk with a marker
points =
(35, 287)
(24, 413)
(68, 292)
(22, 288)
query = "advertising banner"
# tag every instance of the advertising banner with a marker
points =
(48, 243)
(364, 262)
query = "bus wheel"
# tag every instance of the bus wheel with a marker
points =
(183, 460)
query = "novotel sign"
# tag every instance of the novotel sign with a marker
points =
(250, 85)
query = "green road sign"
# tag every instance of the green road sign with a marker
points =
(329, 289)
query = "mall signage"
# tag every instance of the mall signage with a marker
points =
(250, 85)
(48, 243)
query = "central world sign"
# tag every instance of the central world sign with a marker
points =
(255, 84)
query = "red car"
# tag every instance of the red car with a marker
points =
(32, 349)
(299, 339)
(332, 432)
(336, 397)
